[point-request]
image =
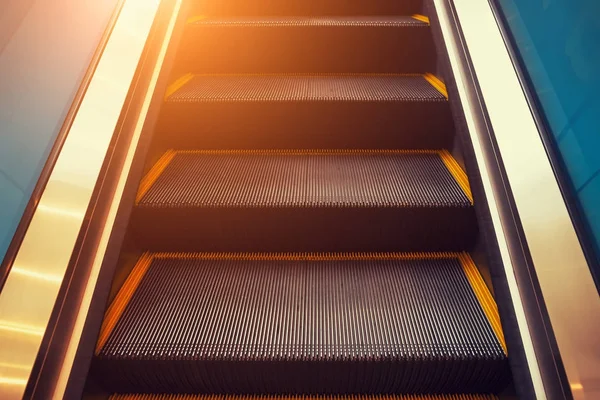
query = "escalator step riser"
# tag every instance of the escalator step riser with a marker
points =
(306, 111)
(226, 324)
(306, 7)
(305, 201)
(392, 44)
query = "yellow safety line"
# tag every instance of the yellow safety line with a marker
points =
(458, 173)
(117, 307)
(309, 256)
(195, 18)
(436, 83)
(484, 296)
(153, 174)
(303, 397)
(421, 18)
(178, 84)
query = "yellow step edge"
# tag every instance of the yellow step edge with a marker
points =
(484, 296)
(457, 172)
(307, 256)
(117, 307)
(195, 18)
(421, 18)
(436, 83)
(303, 397)
(178, 84)
(153, 174)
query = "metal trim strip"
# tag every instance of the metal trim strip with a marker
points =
(569, 292)
(114, 200)
(472, 112)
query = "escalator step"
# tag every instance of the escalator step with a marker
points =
(356, 397)
(334, 44)
(306, 111)
(365, 200)
(303, 323)
(361, 20)
(300, 87)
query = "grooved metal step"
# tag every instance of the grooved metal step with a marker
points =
(291, 397)
(306, 111)
(305, 200)
(288, 44)
(303, 323)
(308, 178)
(324, 21)
(307, 88)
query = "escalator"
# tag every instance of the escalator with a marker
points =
(305, 227)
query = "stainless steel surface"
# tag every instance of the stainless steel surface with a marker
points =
(32, 286)
(470, 105)
(566, 283)
(73, 343)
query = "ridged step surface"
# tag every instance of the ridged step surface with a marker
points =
(303, 323)
(305, 201)
(333, 44)
(305, 7)
(306, 111)
(291, 397)
(307, 88)
(330, 21)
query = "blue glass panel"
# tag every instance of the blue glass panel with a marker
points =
(11, 198)
(558, 42)
(45, 50)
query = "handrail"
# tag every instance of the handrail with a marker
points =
(560, 324)
(33, 283)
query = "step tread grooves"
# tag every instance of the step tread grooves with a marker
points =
(300, 87)
(295, 397)
(324, 21)
(297, 179)
(419, 312)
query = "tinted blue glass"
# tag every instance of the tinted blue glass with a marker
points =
(45, 50)
(559, 44)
